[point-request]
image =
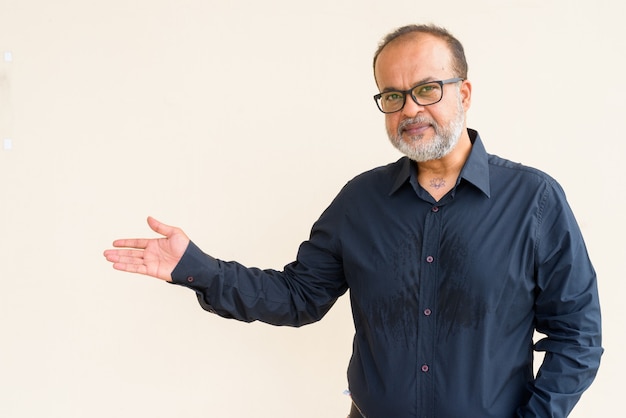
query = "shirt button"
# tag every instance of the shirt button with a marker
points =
(425, 368)
(435, 209)
(427, 312)
(430, 259)
(190, 279)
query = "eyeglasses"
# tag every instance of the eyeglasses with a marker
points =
(424, 94)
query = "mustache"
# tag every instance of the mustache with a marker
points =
(420, 119)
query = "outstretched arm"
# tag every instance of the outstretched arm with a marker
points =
(154, 257)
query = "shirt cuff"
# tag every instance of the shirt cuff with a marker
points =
(196, 270)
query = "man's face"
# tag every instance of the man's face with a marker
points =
(423, 133)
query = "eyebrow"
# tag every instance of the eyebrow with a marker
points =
(422, 81)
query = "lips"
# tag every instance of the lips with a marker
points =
(415, 128)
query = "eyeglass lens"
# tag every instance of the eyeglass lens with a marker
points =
(424, 93)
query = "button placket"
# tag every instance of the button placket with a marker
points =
(426, 352)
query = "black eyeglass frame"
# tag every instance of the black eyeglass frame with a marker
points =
(409, 92)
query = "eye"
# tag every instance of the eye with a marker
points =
(393, 96)
(426, 90)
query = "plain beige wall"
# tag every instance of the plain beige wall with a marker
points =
(239, 121)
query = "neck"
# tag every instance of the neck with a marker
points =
(438, 177)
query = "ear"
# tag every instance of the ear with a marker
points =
(466, 94)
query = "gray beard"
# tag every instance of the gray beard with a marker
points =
(442, 143)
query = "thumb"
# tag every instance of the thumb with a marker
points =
(159, 227)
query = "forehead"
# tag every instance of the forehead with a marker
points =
(412, 58)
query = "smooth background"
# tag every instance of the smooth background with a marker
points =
(239, 121)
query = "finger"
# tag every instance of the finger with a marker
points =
(159, 227)
(125, 251)
(130, 268)
(139, 243)
(126, 256)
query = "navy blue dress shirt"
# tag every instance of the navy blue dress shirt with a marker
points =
(445, 295)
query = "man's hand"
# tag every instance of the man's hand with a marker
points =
(154, 257)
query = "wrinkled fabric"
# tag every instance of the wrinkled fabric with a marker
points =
(445, 295)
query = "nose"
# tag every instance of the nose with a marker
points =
(411, 108)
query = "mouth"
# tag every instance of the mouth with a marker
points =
(415, 129)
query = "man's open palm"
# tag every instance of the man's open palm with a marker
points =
(156, 257)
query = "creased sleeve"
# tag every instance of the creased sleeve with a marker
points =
(300, 294)
(567, 311)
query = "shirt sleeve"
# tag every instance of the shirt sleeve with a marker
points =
(300, 294)
(567, 311)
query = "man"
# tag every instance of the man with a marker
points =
(453, 258)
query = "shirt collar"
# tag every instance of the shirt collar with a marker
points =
(475, 170)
